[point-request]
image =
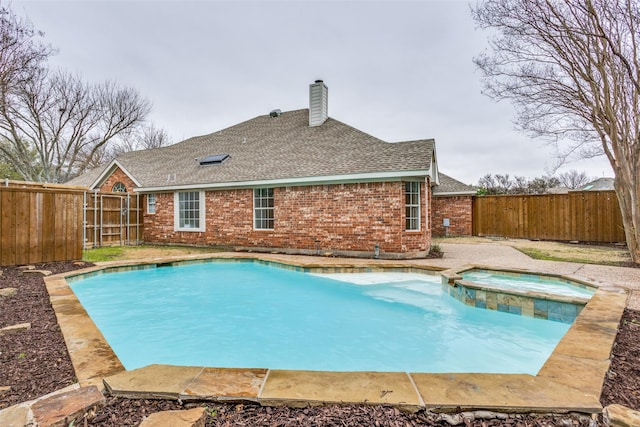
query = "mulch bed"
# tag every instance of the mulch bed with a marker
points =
(35, 362)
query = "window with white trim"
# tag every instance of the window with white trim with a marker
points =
(189, 211)
(119, 187)
(151, 203)
(412, 205)
(263, 218)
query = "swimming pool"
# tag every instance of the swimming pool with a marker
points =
(243, 314)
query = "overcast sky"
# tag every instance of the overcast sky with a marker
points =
(396, 70)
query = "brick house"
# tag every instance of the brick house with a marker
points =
(452, 208)
(294, 182)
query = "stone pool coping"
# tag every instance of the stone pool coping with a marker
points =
(570, 380)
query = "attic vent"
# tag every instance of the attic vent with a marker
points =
(275, 113)
(213, 160)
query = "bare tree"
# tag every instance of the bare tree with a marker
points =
(574, 179)
(503, 184)
(572, 70)
(495, 184)
(53, 125)
(22, 52)
(541, 185)
(142, 138)
(65, 122)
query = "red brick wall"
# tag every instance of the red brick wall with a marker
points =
(118, 176)
(341, 218)
(459, 211)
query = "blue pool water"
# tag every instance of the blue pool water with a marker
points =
(243, 314)
(528, 282)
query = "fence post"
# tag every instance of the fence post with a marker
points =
(95, 218)
(84, 220)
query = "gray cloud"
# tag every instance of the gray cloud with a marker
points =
(396, 70)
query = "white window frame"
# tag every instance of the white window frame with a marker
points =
(201, 212)
(258, 197)
(414, 225)
(119, 187)
(151, 203)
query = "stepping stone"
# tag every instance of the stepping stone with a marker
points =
(195, 417)
(8, 292)
(152, 382)
(59, 409)
(16, 416)
(43, 272)
(621, 416)
(15, 328)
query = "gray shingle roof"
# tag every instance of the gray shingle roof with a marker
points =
(599, 184)
(87, 178)
(448, 185)
(272, 148)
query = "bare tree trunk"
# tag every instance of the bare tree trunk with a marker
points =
(629, 201)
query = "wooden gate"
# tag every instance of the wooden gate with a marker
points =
(112, 219)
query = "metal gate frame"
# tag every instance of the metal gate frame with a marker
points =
(103, 234)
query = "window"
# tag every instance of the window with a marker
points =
(119, 187)
(412, 205)
(151, 203)
(263, 208)
(216, 159)
(189, 211)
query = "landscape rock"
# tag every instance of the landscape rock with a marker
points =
(452, 419)
(195, 417)
(27, 267)
(16, 416)
(59, 409)
(43, 272)
(621, 416)
(15, 328)
(8, 292)
(4, 389)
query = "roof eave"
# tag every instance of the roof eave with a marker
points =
(292, 182)
(454, 193)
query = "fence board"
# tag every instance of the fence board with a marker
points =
(39, 223)
(588, 216)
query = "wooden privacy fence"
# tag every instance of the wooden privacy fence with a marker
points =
(49, 222)
(587, 216)
(40, 223)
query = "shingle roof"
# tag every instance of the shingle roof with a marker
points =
(599, 184)
(87, 178)
(272, 148)
(448, 185)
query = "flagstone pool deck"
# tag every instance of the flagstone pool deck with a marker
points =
(570, 380)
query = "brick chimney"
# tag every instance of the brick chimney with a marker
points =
(318, 103)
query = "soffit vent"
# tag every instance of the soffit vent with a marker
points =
(216, 159)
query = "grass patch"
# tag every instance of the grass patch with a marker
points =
(120, 253)
(109, 253)
(545, 255)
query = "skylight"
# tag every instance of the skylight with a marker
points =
(216, 159)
